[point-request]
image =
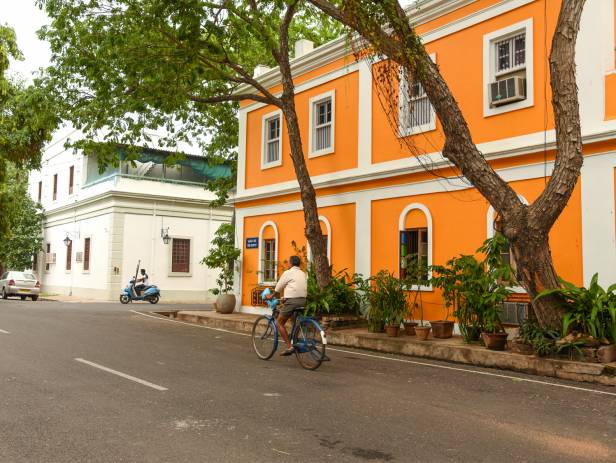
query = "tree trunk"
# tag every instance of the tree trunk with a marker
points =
(313, 232)
(535, 272)
(308, 195)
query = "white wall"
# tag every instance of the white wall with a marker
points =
(60, 280)
(142, 241)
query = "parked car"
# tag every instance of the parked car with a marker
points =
(22, 284)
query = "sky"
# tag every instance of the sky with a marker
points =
(26, 18)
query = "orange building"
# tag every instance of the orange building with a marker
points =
(374, 194)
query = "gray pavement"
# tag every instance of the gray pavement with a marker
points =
(221, 404)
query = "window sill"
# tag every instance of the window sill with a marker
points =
(271, 165)
(421, 288)
(417, 130)
(509, 107)
(324, 152)
(179, 274)
(507, 72)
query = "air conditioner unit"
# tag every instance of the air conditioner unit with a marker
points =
(50, 258)
(79, 257)
(507, 91)
(514, 313)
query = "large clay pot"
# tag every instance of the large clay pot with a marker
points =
(225, 303)
(422, 332)
(442, 329)
(392, 330)
(409, 328)
(495, 341)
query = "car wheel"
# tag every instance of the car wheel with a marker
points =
(4, 295)
(34, 298)
(23, 298)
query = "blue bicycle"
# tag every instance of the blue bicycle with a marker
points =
(307, 337)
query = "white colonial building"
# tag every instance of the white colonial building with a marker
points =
(99, 225)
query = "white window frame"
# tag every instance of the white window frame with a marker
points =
(328, 227)
(311, 125)
(402, 227)
(490, 233)
(170, 271)
(269, 223)
(489, 67)
(402, 106)
(264, 130)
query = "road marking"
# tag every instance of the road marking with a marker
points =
(5, 332)
(412, 362)
(123, 375)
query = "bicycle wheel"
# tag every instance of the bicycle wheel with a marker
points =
(309, 341)
(264, 337)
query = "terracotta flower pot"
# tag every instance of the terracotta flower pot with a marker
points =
(442, 329)
(392, 330)
(409, 328)
(422, 332)
(495, 341)
(473, 333)
(225, 303)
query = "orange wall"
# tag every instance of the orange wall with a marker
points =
(345, 133)
(291, 228)
(610, 96)
(463, 71)
(459, 221)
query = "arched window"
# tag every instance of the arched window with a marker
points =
(415, 244)
(268, 252)
(326, 229)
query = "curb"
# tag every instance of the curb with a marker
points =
(596, 373)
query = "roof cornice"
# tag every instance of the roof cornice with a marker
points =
(421, 12)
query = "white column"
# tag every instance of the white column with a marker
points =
(363, 234)
(598, 219)
(364, 139)
(241, 153)
(239, 243)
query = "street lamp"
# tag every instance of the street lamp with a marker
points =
(67, 241)
(164, 234)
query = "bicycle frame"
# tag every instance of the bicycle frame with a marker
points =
(297, 319)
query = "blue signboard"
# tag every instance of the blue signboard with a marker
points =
(252, 243)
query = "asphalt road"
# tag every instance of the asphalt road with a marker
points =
(198, 395)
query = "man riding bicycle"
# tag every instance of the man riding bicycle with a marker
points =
(293, 286)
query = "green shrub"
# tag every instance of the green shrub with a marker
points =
(340, 296)
(590, 311)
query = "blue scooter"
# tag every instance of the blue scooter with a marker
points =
(149, 293)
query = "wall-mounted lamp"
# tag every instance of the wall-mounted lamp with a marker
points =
(69, 235)
(164, 234)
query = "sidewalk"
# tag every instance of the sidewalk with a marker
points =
(449, 350)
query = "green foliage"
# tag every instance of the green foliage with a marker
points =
(590, 311)
(543, 341)
(339, 296)
(223, 255)
(23, 222)
(137, 67)
(27, 119)
(387, 298)
(475, 289)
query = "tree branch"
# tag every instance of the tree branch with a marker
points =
(569, 158)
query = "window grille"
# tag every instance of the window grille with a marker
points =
(511, 53)
(323, 125)
(180, 255)
(269, 260)
(415, 107)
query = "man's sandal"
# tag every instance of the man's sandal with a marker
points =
(288, 351)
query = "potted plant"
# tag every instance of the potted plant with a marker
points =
(416, 276)
(422, 331)
(388, 302)
(222, 256)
